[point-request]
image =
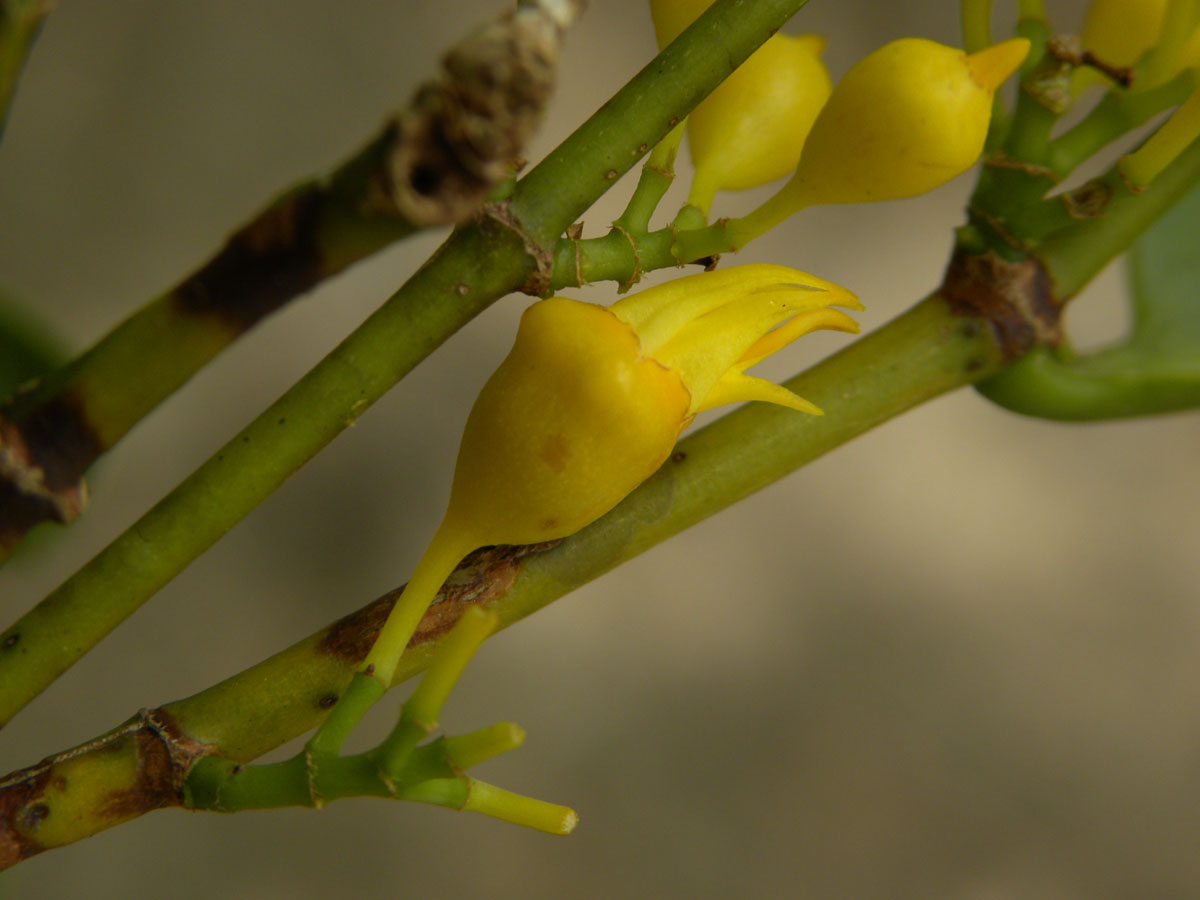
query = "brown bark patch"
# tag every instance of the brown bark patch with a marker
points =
(19, 792)
(1015, 299)
(263, 265)
(462, 132)
(481, 577)
(43, 455)
(162, 754)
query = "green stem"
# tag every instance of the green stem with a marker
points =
(619, 256)
(657, 175)
(478, 264)
(1033, 10)
(303, 237)
(1116, 114)
(1073, 255)
(976, 24)
(20, 21)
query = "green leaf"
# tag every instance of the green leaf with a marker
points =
(26, 348)
(1156, 369)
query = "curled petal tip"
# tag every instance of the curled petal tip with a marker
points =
(989, 67)
(734, 387)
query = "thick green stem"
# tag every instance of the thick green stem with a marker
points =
(478, 264)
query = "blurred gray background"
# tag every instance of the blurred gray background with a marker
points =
(955, 659)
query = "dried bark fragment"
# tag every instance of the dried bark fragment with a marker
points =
(1016, 299)
(480, 578)
(462, 132)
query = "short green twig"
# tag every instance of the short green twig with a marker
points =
(1117, 113)
(398, 768)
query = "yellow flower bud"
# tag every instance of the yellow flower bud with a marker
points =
(671, 17)
(750, 130)
(1118, 32)
(1121, 32)
(590, 401)
(906, 119)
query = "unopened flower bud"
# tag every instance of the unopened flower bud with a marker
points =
(906, 119)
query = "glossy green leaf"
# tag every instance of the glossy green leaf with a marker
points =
(1156, 369)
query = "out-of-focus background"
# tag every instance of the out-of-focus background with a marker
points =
(958, 658)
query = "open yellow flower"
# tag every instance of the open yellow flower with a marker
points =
(590, 401)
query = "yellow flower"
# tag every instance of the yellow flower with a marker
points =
(907, 118)
(750, 129)
(590, 401)
(1120, 31)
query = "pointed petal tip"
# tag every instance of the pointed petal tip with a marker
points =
(813, 43)
(991, 66)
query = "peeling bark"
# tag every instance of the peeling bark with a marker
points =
(461, 132)
(1016, 299)
(481, 577)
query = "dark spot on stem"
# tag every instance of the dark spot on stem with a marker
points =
(425, 180)
(678, 456)
(57, 438)
(262, 266)
(462, 290)
(1015, 299)
(11, 641)
(34, 816)
(611, 174)
(350, 638)
(22, 790)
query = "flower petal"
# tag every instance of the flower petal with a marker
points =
(707, 347)
(734, 387)
(803, 323)
(658, 313)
